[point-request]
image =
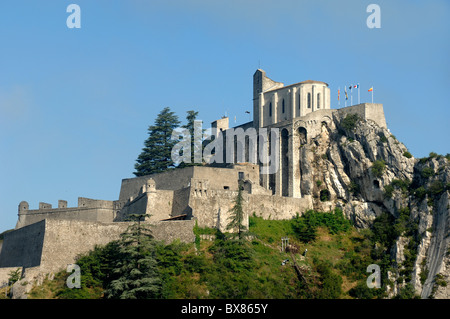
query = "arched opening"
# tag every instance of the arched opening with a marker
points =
(282, 106)
(270, 109)
(284, 162)
(273, 175)
(318, 100)
(309, 100)
(376, 183)
(302, 134)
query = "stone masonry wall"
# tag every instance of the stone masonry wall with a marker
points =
(367, 111)
(87, 210)
(52, 244)
(23, 247)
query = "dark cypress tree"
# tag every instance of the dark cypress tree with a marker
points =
(156, 155)
(236, 219)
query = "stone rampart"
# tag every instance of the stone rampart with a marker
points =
(87, 210)
(278, 207)
(52, 244)
(367, 111)
(23, 247)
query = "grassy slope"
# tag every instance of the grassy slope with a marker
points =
(270, 279)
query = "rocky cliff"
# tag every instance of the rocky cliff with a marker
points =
(363, 168)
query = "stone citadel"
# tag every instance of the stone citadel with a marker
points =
(46, 239)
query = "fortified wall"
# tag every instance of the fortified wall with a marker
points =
(51, 244)
(47, 239)
(87, 210)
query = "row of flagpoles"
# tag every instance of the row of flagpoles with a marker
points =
(356, 86)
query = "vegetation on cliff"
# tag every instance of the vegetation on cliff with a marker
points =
(330, 264)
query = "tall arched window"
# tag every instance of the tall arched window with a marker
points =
(282, 107)
(270, 109)
(318, 100)
(309, 100)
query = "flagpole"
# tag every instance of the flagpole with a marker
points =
(346, 96)
(351, 97)
(339, 97)
(358, 95)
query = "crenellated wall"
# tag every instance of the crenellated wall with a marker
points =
(87, 210)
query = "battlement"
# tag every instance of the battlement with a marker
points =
(87, 209)
(366, 111)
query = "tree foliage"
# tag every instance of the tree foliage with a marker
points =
(349, 122)
(157, 152)
(196, 145)
(378, 168)
(136, 270)
(236, 220)
(305, 226)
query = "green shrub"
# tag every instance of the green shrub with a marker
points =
(383, 230)
(325, 195)
(335, 221)
(436, 188)
(331, 282)
(406, 292)
(14, 275)
(378, 168)
(407, 154)
(349, 122)
(424, 271)
(354, 188)
(420, 192)
(402, 184)
(388, 191)
(427, 172)
(318, 183)
(402, 223)
(396, 184)
(440, 281)
(361, 291)
(304, 229)
(433, 155)
(383, 138)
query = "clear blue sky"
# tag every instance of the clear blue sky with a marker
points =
(75, 104)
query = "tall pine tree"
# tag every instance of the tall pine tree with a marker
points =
(136, 271)
(156, 155)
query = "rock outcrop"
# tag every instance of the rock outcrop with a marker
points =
(362, 168)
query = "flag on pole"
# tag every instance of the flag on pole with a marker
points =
(346, 95)
(339, 96)
(357, 87)
(370, 90)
